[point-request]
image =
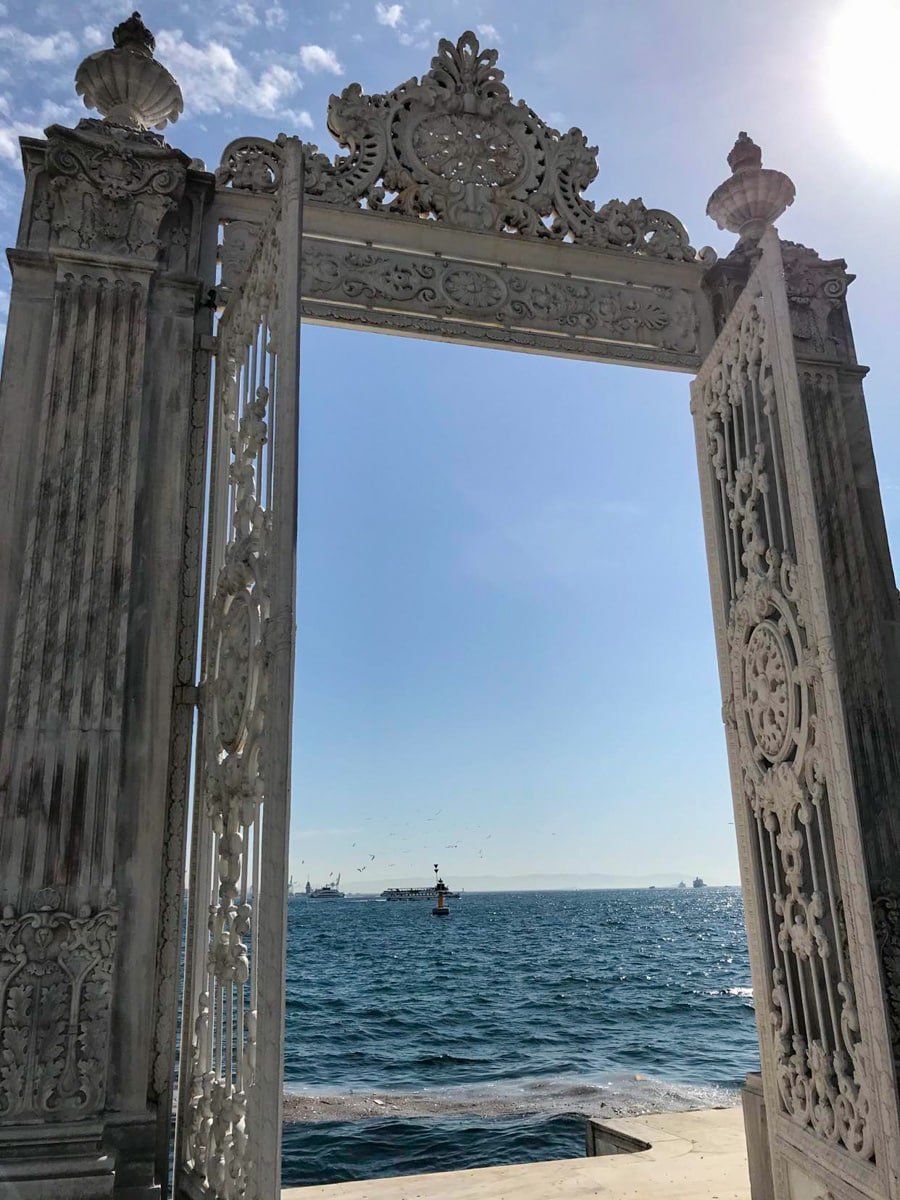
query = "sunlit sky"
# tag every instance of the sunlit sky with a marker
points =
(505, 657)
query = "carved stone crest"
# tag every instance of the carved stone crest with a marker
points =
(106, 192)
(817, 289)
(454, 146)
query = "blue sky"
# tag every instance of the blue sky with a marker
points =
(505, 657)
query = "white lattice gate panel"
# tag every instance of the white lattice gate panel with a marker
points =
(795, 808)
(229, 1109)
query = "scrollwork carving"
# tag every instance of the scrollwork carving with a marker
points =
(250, 164)
(660, 317)
(886, 915)
(821, 1060)
(221, 1071)
(816, 290)
(55, 990)
(108, 193)
(455, 146)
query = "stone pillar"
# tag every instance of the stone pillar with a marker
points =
(98, 553)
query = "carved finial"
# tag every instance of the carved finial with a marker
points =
(744, 153)
(133, 34)
(126, 84)
(754, 197)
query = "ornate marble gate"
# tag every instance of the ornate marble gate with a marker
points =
(456, 213)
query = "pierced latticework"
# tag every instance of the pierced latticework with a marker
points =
(794, 799)
(229, 1119)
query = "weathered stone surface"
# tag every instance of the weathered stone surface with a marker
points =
(94, 468)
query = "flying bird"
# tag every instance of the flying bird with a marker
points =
(371, 858)
(360, 868)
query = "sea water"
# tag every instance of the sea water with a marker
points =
(416, 1044)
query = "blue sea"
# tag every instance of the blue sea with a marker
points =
(416, 1044)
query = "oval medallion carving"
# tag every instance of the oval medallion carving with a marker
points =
(769, 690)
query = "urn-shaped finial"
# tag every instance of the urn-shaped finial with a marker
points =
(754, 197)
(126, 84)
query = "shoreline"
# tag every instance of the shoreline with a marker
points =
(528, 1099)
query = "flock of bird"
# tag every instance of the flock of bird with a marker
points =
(372, 858)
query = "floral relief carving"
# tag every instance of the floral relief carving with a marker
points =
(775, 708)
(454, 146)
(660, 317)
(55, 990)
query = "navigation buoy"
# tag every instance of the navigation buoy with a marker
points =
(441, 909)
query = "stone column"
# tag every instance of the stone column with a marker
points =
(100, 413)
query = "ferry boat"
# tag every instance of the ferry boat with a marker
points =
(698, 882)
(329, 892)
(417, 893)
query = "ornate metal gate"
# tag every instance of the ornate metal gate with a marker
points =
(813, 953)
(229, 1123)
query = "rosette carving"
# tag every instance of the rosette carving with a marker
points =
(455, 146)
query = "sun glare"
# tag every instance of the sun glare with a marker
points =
(861, 79)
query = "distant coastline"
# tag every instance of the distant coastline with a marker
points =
(545, 882)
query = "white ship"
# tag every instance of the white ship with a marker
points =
(331, 891)
(429, 892)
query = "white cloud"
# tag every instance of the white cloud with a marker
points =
(244, 13)
(298, 117)
(389, 14)
(60, 114)
(10, 132)
(12, 129)
(316, 58)
(37, 49)
(275, 84)
(488, 31)
(275, 17)
(93, 37)
(213, 80)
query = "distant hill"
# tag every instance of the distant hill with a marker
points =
(532, 883)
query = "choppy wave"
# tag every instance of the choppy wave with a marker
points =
(488, 1037)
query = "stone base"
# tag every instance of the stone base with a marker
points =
(77, 1161)
(67, 1162)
